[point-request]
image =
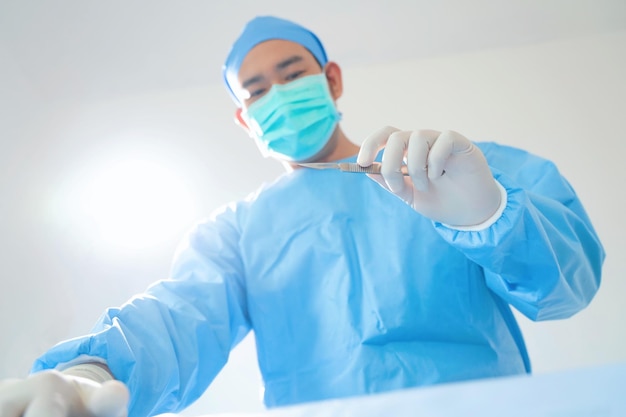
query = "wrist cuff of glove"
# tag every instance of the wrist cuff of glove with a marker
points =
(90, 371)
(491, 220)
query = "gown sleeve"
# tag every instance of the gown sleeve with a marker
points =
(542, 255)
(169, 343)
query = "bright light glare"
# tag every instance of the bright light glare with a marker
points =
(136, 203)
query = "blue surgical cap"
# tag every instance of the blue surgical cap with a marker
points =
(264, 28)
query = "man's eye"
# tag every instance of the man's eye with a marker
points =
(257, 93)
(293, 75)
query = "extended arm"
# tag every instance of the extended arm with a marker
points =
(507, 210)
(542, 255)
(169, 343)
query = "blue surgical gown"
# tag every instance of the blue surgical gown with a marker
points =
(349, 291)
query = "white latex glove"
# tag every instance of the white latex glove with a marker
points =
(56, 394)
(449, 180)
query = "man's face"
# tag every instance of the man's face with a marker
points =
(272, 62)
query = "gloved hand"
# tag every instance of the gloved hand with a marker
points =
(449, 180)
(55, 394)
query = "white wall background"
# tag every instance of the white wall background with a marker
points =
(564, 100)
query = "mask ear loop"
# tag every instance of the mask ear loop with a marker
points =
(332, 72)
(253, 127)
(325, 71)
(242, 120)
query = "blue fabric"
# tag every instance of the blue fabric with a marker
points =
(265, 28)
(349, 291)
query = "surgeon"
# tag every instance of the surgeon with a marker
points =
(352, 284)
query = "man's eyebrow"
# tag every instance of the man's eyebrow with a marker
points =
(291, 60)
(279, 67)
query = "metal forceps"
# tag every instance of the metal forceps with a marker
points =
(350, 167)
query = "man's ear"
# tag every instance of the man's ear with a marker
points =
(239, 119)
(335, 81)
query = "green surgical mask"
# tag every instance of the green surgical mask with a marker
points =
(294, 121)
